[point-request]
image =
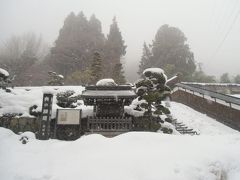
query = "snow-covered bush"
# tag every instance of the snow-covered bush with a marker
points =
(67, 99)
(4, 79)
(151, 91)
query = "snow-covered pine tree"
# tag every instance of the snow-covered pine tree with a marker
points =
(151, 91)
(96, 68)
(115, 47)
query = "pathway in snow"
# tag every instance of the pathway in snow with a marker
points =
(198, 121)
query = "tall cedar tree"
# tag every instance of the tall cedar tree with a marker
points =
(146, 59)
(114, 47)
(171, 52)
(78, 40)
(96, 70)
(118, 74)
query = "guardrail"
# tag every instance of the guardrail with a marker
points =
(226, 98)
(223, 108)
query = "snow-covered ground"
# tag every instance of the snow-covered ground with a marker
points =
(214, 155)
(130, 156)
(198, 121)
(236, 95)
(22, 98)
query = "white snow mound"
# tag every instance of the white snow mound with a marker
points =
(131, 156)
(154, 70)
(106, 82)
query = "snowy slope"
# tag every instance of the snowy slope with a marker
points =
(198, 121)
(131, 156)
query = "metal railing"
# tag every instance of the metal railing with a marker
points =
(223, 97)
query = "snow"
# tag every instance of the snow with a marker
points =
(22, 98)
(4, 72)
(154, 70)
(172, 78)
(198, 121)
(211, 84)
(130, 156)
(28, 134)
(213, 155)
(235, 95)
(61, 76)
(106, 82)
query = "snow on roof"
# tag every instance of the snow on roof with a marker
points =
(4, 72)
(106, 82)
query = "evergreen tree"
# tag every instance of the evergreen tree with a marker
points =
(118, 74)
(237, 79)
(225, 78)
(114, 47)
(170, 51)
(79, 78)
(78, 40)
(96, 69)
(200, 76)
(151, 91)
(146, 59)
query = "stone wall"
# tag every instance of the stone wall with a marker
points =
(20, 124)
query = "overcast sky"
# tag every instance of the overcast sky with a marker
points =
(206, 23)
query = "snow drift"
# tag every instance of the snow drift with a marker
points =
(131, 156)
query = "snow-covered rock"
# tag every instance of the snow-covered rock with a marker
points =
(106, 82)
